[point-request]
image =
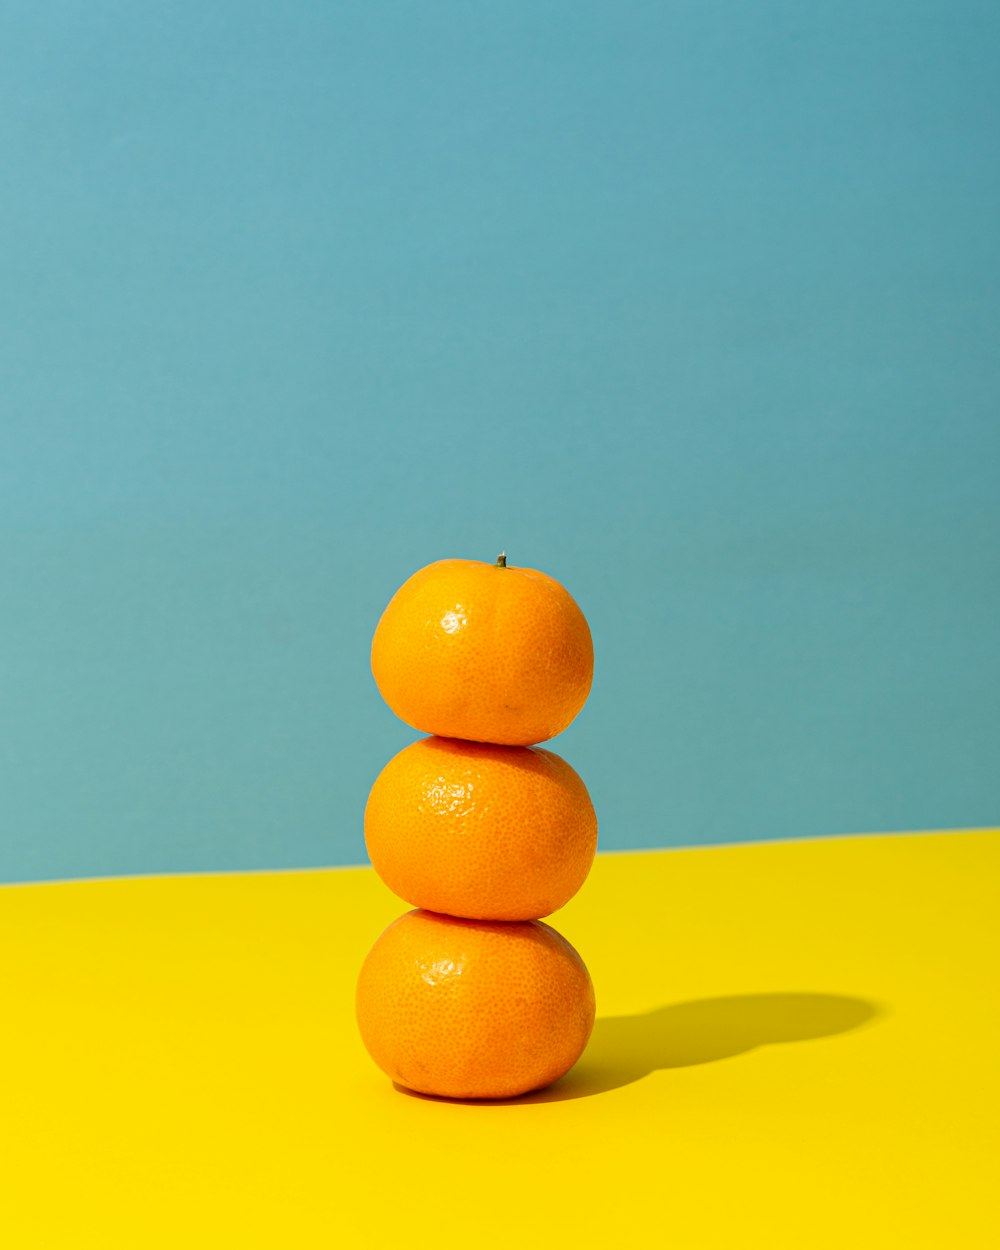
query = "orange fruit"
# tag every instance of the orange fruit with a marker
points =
(485, 652)
(483, 831)
(473, 1008)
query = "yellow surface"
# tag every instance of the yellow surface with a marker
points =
(796, 1046)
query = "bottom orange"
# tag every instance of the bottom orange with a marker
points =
(473, 1008)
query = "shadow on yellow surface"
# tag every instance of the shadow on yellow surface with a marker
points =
(624, 1049)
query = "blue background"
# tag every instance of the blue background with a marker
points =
(692, 305)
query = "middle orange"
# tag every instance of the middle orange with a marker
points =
(481, 831)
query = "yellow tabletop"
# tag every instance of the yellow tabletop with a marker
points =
(796, 1045)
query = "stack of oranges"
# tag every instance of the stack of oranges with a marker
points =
(482, 831)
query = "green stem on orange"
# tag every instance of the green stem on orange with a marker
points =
(502, 560)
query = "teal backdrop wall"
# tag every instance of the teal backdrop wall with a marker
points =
(692, 305)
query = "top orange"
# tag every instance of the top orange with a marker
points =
(485, 652)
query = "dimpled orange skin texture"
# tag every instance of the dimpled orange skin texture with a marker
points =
(481, 831)
(470, 650)
(473, 1008)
